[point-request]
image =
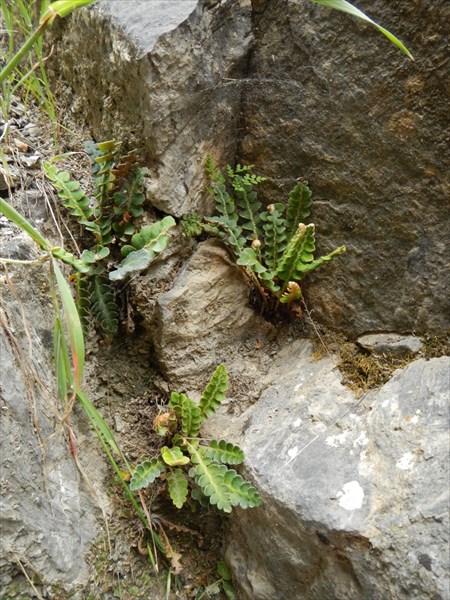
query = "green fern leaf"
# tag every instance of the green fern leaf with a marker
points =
(104, 305)
(275, 236)
(241, 492)
(174, 457)
(74, 199)
(214, 392)
(303, 269)
(191, 417)
(300, 249)
(82, 299)
(210, 475)
(176, 402)
(247, 207)
(147, 244)
(227, 230)
(178, 487)
(299, 208)
(146, 473)
(128, 203)
(223, 451)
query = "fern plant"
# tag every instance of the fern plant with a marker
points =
(274, 246)
(190, 464)
(108, 216)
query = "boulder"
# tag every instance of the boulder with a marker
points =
(390, 344)
(330, 100)
(159, 76)
(356, 493)
(202, 318)
(47, 516)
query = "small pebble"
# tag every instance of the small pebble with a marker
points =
(32, 130)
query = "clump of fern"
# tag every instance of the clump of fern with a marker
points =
(192, 466)
(108, 219)
(273, 246)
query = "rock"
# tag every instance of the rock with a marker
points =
(367, 128)
(202, 316)
(47, 518)
(256, 82)
(356, 494)
(162, 81)
(391, 343)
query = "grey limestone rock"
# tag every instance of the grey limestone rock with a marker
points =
(47, 518)
(159, 77)
(202, 316)
(356, 494)
(391, 343)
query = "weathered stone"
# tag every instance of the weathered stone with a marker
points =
(202, 316)
(47, 518)
(329, 99)
(391, 343)
(158, 76)
(362, 123)
(356, 494)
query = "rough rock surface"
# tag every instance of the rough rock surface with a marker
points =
(259, 83)
(47, 518)
(391, 343)
(205, 314)
(330, 100)
(159, 77)
(356, 494)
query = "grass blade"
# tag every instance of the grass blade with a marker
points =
(74, 327)
(11, 214)
(346, 7)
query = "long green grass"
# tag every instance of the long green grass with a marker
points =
(20, 19)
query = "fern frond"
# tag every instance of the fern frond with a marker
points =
(291, 293)
(128, 204)
(191, 225)
(223, 451)
(241, 492)
(227, 230)
(209, 475)
(299, 249)
(124, 169)
(82, 299)
(178, 487)
(146, 245)
(303, 269)
(176, 402)
(174, 457)
(191, 417)
(247, 207)
(298, 258)
(299, 207)
(104, 305)
(275, 236)
(74, 198)
(146, 473)
(214, 392)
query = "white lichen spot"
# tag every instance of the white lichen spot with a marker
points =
(361, 440)
(292, 452)
(297, 423)
(319, 427)
(406, 462)
(351, 496)
(415, 419)
(337, 440)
